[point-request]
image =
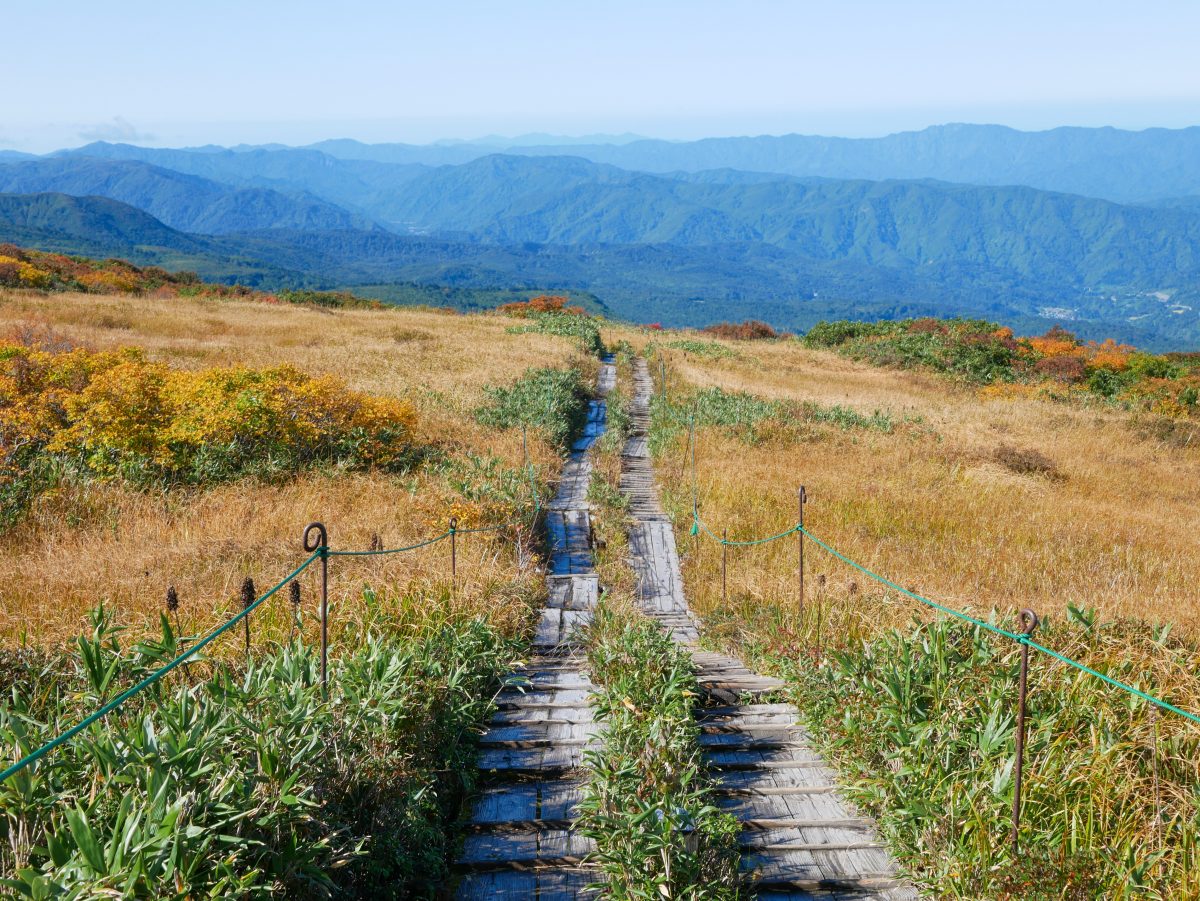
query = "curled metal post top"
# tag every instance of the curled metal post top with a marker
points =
(803, 495)
(453, 523)
(322, 535)
(1029, 621)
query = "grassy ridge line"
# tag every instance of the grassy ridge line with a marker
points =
(647, 802)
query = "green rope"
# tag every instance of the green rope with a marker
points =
(698, 525)
(393, 550)
(124, 696)
(1015, 636)
(537, 507)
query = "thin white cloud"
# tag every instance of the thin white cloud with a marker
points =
(118, 129)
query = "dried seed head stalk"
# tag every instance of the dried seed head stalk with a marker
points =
(248, 593)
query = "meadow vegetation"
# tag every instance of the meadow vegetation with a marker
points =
(647, 801)
(174, 448)
(1056, 365)
(985, 501)
(41, 271)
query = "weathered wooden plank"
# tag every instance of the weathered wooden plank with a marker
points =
(562, 884)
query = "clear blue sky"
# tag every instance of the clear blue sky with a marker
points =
(186, 72)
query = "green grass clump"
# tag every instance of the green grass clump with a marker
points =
(554, 400)
(846, 418)
(708, 349)
(747, 415)
(973, 349)
(242, 782)
(583, 329)
(647, 805)
(923, 721)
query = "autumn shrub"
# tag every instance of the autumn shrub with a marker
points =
(750, 330)
(1062, 367)
(544, 303)
(989, 355)
(115, 414)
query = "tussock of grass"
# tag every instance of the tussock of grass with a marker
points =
(657, 832)
(584, 329)
(553, 400)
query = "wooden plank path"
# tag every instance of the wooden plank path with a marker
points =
(800, 839)
(521, 841)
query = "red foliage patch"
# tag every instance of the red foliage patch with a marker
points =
(750, 330)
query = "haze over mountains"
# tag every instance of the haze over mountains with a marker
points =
(1099, 228)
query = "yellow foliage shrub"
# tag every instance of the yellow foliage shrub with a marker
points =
(117, 413)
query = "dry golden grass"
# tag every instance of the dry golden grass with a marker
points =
(945, 504)
(88, 544)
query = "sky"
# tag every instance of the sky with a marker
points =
(185, 73)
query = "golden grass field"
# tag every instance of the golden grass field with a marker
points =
(930, 505)
(106, 543)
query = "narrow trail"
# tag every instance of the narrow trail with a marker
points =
(800, 839)
(520, 841)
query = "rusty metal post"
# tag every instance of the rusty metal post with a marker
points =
(1154, 765)
(802, 499)
(453, 556)
(321, 544)
(724, 565)
(1029, 622)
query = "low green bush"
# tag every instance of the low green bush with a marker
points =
(242, 782)
(583, 329)
(647, 802)
(554, 400)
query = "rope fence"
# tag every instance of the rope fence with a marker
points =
(1028, 618)
(316, 544)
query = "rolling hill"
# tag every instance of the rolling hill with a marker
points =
(185, 202)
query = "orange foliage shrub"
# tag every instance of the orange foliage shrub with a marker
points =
(545, 303)
(1062, 367)
(1108, 355)
(750, 330)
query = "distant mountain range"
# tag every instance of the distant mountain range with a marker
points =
(1124, 166)
(974, 220)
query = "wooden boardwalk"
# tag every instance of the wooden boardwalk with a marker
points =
(521, 843)
(800, 839)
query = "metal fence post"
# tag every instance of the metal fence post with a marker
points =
(724, 565)
(1029, 622)
(802, 499)
(322, 545)
(453, 556)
